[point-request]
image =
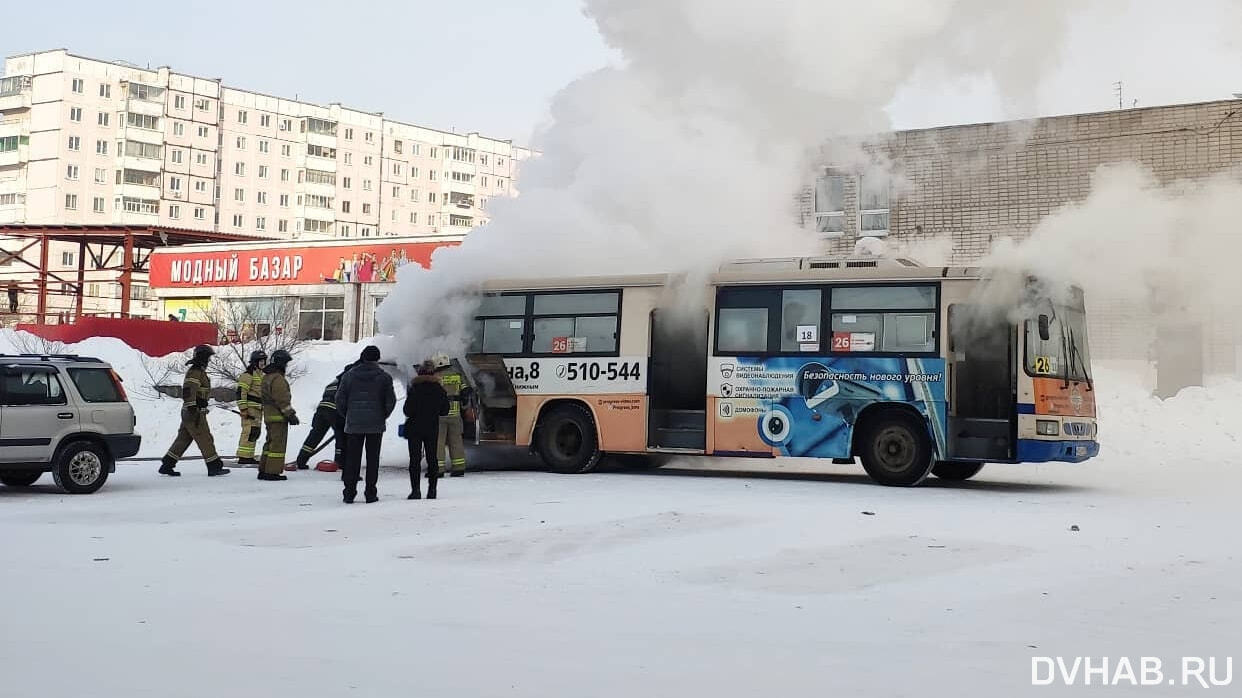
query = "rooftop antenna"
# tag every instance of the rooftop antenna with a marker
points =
(1120, 100)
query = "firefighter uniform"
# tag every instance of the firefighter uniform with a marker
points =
(325, 418)
(250, 404)
(195, 392)
(278, 414)
(451, 437)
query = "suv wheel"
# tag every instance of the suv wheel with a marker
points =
(81, 467)
(20, 478)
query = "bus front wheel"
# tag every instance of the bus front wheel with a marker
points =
(567, 441)
(956, 470)
(895, 449)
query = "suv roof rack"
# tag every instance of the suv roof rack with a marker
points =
(50, 357)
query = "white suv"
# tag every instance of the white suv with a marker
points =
(65, 414)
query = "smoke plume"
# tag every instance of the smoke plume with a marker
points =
(691, 151)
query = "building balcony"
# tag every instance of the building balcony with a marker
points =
(321, 139)
(328, 190)
(143, 135)
(318, 214)
(15, 93)
(314, 162)
(14, 126)
(139, 191)
(131, 162)
(142, 106)
(12, 158)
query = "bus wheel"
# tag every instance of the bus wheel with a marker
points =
(567, 442)
(895, 449)
(956, 470)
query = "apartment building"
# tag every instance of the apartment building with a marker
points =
(86, 141)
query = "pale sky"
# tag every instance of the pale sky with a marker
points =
(492, 65)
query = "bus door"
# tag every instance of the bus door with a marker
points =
(983, 417)
(677, 387)
(497, 416)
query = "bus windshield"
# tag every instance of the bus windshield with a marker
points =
(1065, 353)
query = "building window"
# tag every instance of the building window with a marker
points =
(396, 192)
(176, 156)
(239, 194)
(203, 132)
(241, 142)
(397, 147)
(66, 259)
(320, 152)
(284, 201)
(101, 147)
(483, 160)
(286, 124)
(431, 197)
(349, 158)
(366, 160)
(174, 184)
(431, 174)
(261, 198)
(413, 173)
(396, 169)
(75, 143)
(75, 114)
(366, 185)
(414, 149)
(102, 118)
(414, 218)
(264, 146)
(71, 172)
(349, 134)
(262, 171)
(435, 153)
(260, 223)
(285, 150)
(463, 154)
(282, 226)
(346, 183)
(101, 175)
(500, 162)
(284, 175)
(394, 216)
(143, 121)
(200, 186)
(461, 221)
(237, 220)
(366, 208)
(317, 201)
(366, 231)
(78, 85)
(239, 169)
(200, 158)
(483, 181)
(321, 318)
(174, 211)
(178, 128)
(134, 205)
(105, 90)
(202, 104)
(179, 101)
(830, 205)
(71, 202)
(241, 116)
(500, 184)
(344, 207)
(199, 213)
(370, 137)
(98, 204)
(873, 202)
(414, 195)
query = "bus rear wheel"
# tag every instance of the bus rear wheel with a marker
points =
(895, 449)
(956, 470)
(567, 441)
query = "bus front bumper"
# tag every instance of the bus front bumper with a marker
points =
(1040, 451)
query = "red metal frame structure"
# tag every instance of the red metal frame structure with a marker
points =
(102, 243)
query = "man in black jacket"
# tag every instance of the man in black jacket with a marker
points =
(326, 417)
(365, 398)
(425, 403)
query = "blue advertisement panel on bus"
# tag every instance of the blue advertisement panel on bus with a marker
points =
(807, 406)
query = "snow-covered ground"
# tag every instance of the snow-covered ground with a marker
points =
(721, 578)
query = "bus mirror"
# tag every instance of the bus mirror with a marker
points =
(1044, 334)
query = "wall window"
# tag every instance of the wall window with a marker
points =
(178, 128)
(286, 150)
(321, 318)
(349, 134)
(282, 226)
(431, 174)
(396, 192)
(200, 158)
(66, 259)
(265, 146)
(262, 171)
(265, 120)
(366, 185)
(366, 208)
(179, 101)
(830, 205)
(98, 204)
(239, 194)
(284, 175)
(102, 118)
(174, 184)
(260, 223)
(431, 197)
(346, 183)
(71, 172)
(241, 142)
(873, 202)
(105, 90)
(78, 85)
(135, 205)
(174, 211)
(239, 169)
(71, 202)
(261, 197)
(202, 104)
(370, 137)
(200, 186)
(320, 152)
(884, 319)
(203, 132)
(397, 147)
(199, 213)
(344, 207)
(75, 114)
(367, 160)
(349, 158)
(241, 116)
(75, 142)
(176, 156)
(284, 201)
(101, 147)
(101, 175)
(286, 124)
(150, 151)
(237, 220)
(143, 121)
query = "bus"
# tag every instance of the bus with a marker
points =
(910, 370)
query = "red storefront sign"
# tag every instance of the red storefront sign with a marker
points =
(289, 265)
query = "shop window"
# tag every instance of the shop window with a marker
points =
(321, 318)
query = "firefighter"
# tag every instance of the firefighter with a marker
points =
(326, 417)
(250, 405)
(451, 436)
(278, 415)
(195, 391)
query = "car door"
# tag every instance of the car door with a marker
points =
(36, 413)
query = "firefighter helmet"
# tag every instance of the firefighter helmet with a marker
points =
(203, 353)
(280, 358)
(257, 356)
(441, 361)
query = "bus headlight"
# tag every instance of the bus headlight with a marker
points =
(1047, 427)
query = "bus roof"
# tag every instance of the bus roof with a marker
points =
(755, 271)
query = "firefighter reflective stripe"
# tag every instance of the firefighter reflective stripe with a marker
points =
(250, 390)
(452, 387)
(329, 405)
(196, 388)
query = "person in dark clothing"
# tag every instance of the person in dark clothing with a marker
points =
(12, 297)
(326, 417)
(365, 398)
(425, 403)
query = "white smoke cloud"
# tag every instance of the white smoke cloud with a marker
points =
(690, 153)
